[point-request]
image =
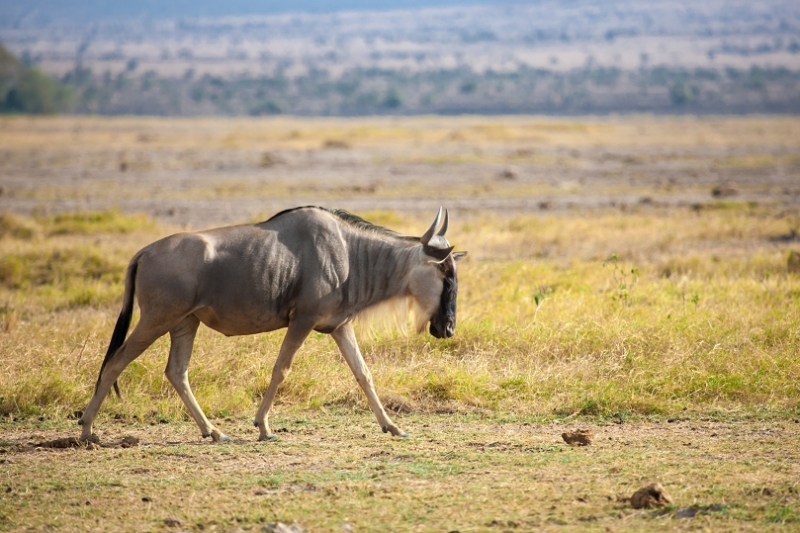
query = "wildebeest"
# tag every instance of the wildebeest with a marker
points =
(305, 269)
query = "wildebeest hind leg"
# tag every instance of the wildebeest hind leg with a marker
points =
(295, 336)
(346, 341)
(139, 340)
(177, 372)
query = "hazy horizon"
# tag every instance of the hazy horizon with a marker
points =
(15, 13)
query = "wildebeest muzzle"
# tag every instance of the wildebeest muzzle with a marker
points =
(443, 322)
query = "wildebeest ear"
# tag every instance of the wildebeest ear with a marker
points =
(440, 254)
(458, 256)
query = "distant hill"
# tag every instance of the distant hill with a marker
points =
(23, 12)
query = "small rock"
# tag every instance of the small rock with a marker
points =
(652, 495)
(172, 522)
(580, 437)
(280, 527)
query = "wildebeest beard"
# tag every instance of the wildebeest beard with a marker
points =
(443, 322)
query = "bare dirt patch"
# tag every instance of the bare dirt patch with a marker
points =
(198, 173)
(455, 472)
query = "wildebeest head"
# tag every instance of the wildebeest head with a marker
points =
(434, 285)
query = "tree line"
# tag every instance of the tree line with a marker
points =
(372, 91)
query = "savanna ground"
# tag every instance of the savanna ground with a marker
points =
(631, 276)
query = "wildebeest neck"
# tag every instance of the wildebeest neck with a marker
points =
(387, 260)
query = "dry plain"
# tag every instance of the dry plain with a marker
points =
(627, 275)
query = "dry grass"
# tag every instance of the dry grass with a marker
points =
(618, 318)
(129, 133)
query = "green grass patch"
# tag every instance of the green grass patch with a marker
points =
(90, 222)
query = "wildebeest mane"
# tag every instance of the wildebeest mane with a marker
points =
(354, 221)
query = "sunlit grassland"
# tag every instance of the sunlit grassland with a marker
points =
(636, 305)
(604, 314)
(151, 142)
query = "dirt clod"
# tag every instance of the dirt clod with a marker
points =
(129, 442)
(267, 160)
(579, 437)
(508, 174)
(652, 495)
(92, 444)
(724, 191)
(336, 144)
(172, 522)
(70, 442)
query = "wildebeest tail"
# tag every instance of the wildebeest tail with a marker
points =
(123, 322)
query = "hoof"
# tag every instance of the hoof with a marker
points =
(224, 438)
(398, 434)
(403, 435)
(267, 438)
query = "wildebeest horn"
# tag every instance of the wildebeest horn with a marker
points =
(426, 237)
(444, 224)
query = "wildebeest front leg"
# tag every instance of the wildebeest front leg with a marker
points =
(177, 372)
(345, 339)
(295, 335)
